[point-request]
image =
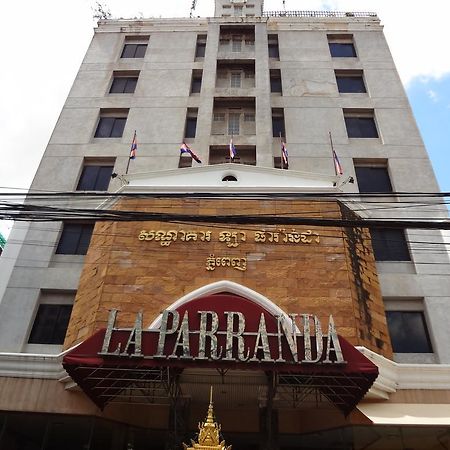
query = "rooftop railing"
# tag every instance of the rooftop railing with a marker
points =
(318, 14)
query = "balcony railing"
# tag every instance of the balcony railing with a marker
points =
(318, 14)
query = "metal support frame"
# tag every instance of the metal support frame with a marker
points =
(178, 414)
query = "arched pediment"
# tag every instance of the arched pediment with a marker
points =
(224, 286)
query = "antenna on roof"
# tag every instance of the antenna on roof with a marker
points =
(284, 5)
(194, 4)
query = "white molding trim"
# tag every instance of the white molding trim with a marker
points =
(225, 286)
(394, 376)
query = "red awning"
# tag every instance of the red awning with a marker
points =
(103, 378)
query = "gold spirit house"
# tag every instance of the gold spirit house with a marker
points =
(262, 273)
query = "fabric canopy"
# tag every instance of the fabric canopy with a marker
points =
(103, 377)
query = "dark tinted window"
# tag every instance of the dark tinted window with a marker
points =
(185, 161)
(110, 127)
(349, 84)
(278, 126)
(50, 324)
(196, 85)
(134, 50)
(191, 125)
(361, 127)
(389, 244)
(123, 85)
(200, 50)
(408, 332)
(278, 163)
(342, 50)
(275, 84)
(273, 51)
(95, 178)
(373, 179)
(75, 239)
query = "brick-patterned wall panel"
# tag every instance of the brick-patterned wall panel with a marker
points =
(129, 274)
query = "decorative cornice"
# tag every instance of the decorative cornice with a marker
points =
(394, 376)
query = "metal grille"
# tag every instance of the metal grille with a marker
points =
(318, 14)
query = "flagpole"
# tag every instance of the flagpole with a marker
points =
(230, 149)
(129, 156)
(332, 153)
(281, 147)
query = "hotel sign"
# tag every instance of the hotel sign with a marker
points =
(253, 336)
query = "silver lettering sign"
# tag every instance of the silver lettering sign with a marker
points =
(212, 336)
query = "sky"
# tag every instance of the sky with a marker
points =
(43, 44)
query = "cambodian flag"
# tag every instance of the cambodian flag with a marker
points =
(185, 149)
(337, 165)
(233, 151)
(284, 153)
(133, 147)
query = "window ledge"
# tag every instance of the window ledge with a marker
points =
(415, 358)
(61, 260)
(395, 267)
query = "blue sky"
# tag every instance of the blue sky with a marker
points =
(46, 37)
(430, 101)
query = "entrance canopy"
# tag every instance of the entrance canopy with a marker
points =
(220, 332)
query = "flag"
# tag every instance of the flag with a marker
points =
(337, 164)
(284, 153)
(133, 147)
(233, 151)
(185, 149)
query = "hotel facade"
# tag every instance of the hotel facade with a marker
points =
(261, 271)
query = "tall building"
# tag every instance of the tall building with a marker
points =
(252, 271)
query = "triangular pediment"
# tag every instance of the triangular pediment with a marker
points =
(214, 178)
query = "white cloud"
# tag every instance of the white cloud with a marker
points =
(432, 95)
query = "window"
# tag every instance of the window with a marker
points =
(50, 324)
(236, 44)
(95, 177)
(233, 124)
(111, 123)
(408, 331)
(201, 46)
(75, 238)
(196, 84)
(278, 123)
(249, 117)
(134, 50)
(278, 163)
(235, 80)
(124, 83)
(360, 123)
(389, 244)
(341, 46)
(191, 123)
(273, 46)
(373, 179)
(246, 154)
(275, 81)
(185, 161)
(350, 82)
(237, 10)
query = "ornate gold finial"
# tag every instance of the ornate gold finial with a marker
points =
(209, 432)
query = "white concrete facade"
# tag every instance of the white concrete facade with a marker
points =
(158, 108)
